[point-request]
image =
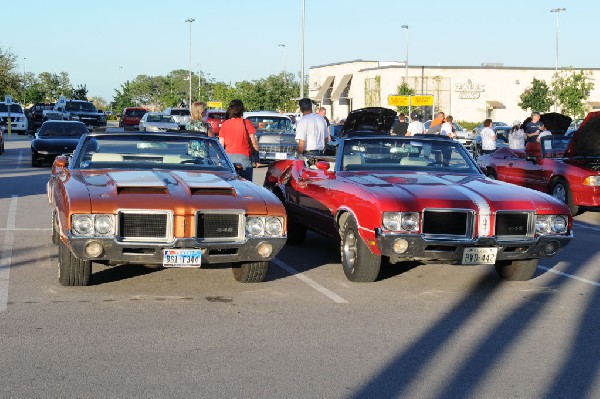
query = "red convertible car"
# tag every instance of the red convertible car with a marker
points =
(415, 198)
(568, 167)
(168, 199)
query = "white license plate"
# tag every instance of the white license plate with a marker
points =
(479, 256)
(182, 257)
(280, 155)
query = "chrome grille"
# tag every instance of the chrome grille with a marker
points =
(145, 225)
(289, 149)
(443, 223)
(219, 226)
(514, 225)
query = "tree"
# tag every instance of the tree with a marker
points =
(80, 93)
(10, 80)
(537, 97)
(123, 98)
(571, 90)
(98, 102)
(404, 90)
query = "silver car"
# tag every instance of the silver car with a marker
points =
(180, 115)
(157, 122)
(275, 135)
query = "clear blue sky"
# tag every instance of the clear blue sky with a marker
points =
(238, 39)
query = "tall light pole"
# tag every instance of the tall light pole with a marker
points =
(302, 56)
(120, 69)
(406, 62)
(556, 11)
(190, 20)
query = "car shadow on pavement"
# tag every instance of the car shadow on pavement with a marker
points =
(118, 273)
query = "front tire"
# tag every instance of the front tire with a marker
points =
(359, 263)
(72, 271)
(34, 161)
(562, 192)
(250, 272)
(55, 232)
(516, 270)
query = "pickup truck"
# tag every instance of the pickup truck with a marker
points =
(76, 110)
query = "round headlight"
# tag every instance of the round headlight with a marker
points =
(410, 221)
(254, 226)
(391, 221)
(83, 225)
(273, 226)
(559, 224)
(542, 224)
(103, 224)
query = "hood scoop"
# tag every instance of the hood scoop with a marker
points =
(205, 183)
(138, 182)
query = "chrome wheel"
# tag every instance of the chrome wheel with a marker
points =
(560, 193)
(350, 249)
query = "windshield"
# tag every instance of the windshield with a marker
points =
(118, 151)
(270, 123)
(554, 146)
(14, 108)
(62, 130)
(80, 106)
(160, 118)
(137, 113)
(405, 153)
(183, 112)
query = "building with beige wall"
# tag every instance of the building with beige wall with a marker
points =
(468, 93)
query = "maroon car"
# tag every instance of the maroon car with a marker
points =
(130, 118)
(419, 198)
(215, 119)
(566, 166)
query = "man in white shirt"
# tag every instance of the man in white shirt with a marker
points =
(415, 126)
(310, 130)
(488, 137)
(543, 133)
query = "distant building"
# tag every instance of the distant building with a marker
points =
(472, 94)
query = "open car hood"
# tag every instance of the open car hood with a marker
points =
(586, 139)
(371, 120)
(555, 122)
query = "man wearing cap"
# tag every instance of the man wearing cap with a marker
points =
(415, 126)
(310, 130)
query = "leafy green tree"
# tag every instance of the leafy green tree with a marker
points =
(99, 102)
(537, 97)
(404, 90)
(10, 81)
(79, 93)
(572, 89)
(122, 98)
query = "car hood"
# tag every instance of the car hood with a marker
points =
(417, 190)
(183, 191)
(586, 139)
(55, 144)
(555, 122)
(374, 120)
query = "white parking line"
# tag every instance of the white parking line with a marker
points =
(6, 260)
(583, 280)
(26, 229)
(329, 294)
(581, 226)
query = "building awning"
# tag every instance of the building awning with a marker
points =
(344, 83)
(594, 104)
(495, 105)
(323, 90)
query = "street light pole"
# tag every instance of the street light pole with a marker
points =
(283, 45)
(190, 20)
(302, 56)
(556, 11)
(406, 62)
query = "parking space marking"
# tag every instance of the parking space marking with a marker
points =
(26, 229)
(6, 260)
(583, 280)
(330, 294)
(581, 226)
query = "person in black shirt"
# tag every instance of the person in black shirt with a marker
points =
(401, 126)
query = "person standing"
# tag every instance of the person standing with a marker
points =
(310, 130)
(543, 132)
(415, 126)
(197, 119)
(488, 137)
(435, 126)
(532, 128)
(401, 127)
(447, 128)
(322, 113)
(516, 137)
(236, 136)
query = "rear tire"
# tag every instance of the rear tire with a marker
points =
(359, 263)
(72, 271)
(250, 272)
(516, 270)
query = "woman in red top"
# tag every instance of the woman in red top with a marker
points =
(236, 136)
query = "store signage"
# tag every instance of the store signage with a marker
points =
(469, 90)
(415, 101)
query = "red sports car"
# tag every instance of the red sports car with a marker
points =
(415, 198)
(566, 166)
